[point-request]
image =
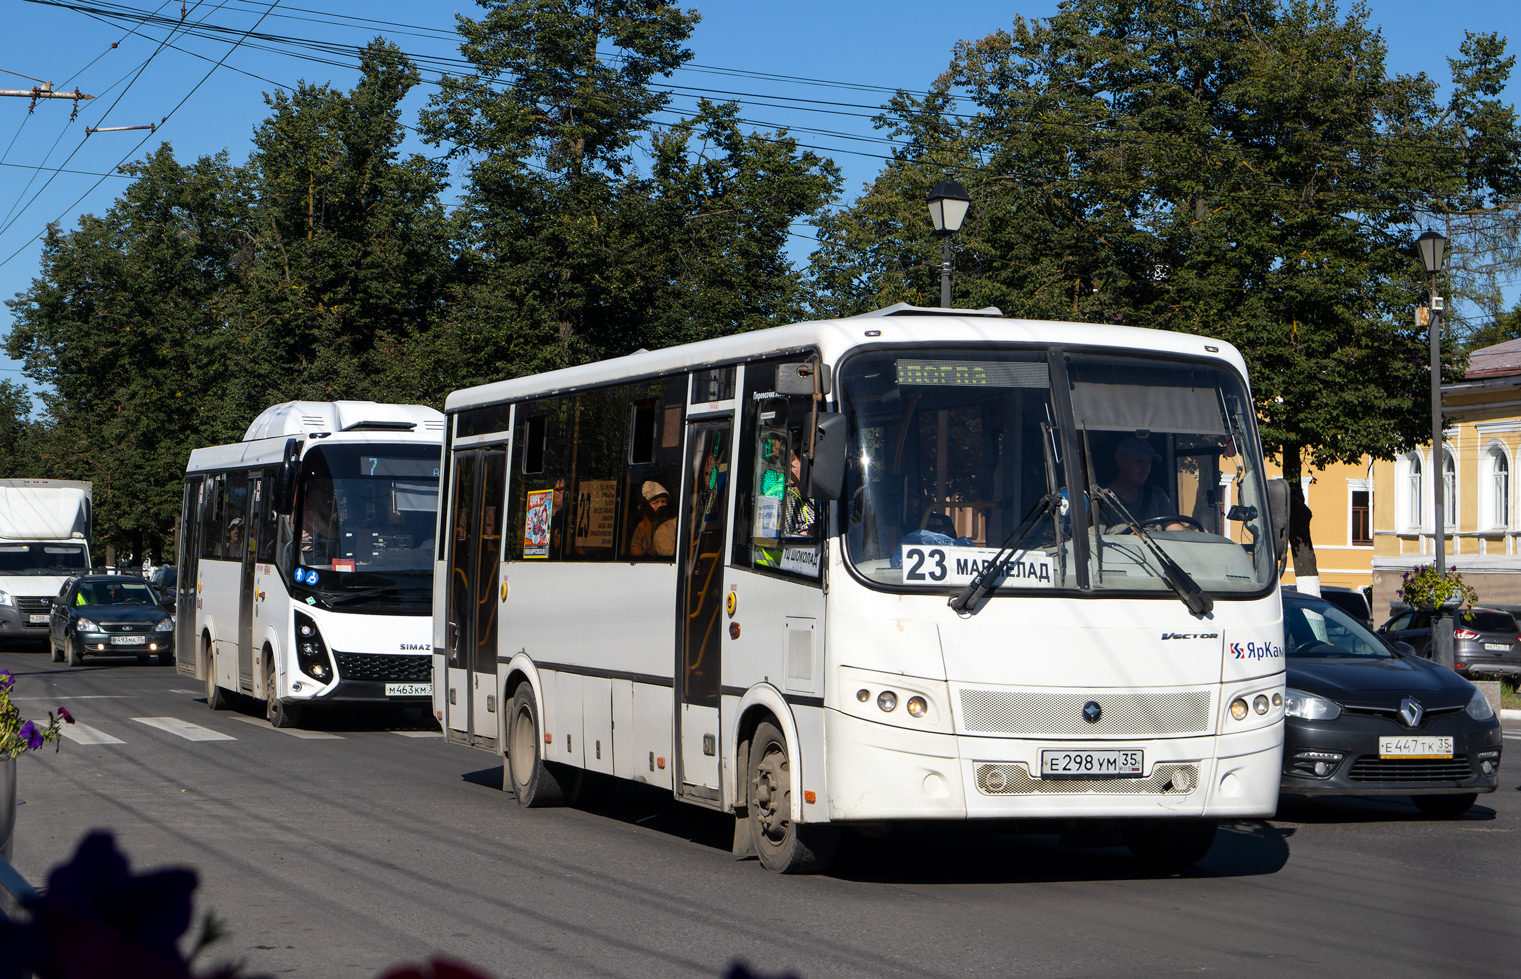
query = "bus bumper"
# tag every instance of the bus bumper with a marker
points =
(893, 773)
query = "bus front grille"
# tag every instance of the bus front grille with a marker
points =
(1036, 713)
(1014, 778)
(385, 666)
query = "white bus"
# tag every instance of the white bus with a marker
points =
(901, 582)
(305, 559)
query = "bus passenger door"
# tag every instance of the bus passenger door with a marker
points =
(475, 553)
(701, 543)
(245, 554)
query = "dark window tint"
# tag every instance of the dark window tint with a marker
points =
(1490, 621)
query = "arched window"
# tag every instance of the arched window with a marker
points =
(1494, 487)
(1412, 503)
(1449, 491)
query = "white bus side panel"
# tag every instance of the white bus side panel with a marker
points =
(216, 615)
(596, 749)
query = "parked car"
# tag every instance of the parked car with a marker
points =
(164, 581)
(1366, 716)
(1486, 640)
(109, 614)
(1349, 600)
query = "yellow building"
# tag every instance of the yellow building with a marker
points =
(1340, 498)
(1482, 415)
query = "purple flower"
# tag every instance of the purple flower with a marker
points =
(6, 680)
(31, 736)
(63, 712)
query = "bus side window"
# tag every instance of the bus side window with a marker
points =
(652, 476)
(212, 505)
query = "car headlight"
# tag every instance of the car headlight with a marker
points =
(164, 625)
(5, 598)
(85, 625)
(1297, 703)
(1479, 707)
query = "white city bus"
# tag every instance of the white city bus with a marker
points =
(305, 558)
(899, 586)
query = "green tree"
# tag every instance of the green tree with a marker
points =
(590, 228)
(1246, 170)
(346, 263)
(123, 331)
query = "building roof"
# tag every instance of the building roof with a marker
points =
(1496, 361)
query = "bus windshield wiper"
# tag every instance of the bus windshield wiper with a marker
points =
(984, 581)
(1181, 582)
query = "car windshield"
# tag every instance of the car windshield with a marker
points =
(115, 593)
(954, 450)
(38, 558)
(1318, 630)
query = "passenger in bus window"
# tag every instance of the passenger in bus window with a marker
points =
(655, 533)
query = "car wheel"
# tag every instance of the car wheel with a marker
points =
(783, 846)
(535, 782)
(166, 658)
(76, 652)
(1170, 843)
(1445, 806)
(57, 651)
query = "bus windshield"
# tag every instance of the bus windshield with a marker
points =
(364, 521)
(958, 452)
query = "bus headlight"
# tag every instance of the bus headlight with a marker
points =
(917, 707)
(887, 700)
(311, 651)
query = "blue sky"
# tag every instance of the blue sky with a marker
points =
(843, 55)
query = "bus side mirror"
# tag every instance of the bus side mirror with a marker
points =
(826, 474)
(1278, 514)
(283, 493)
(792, 379)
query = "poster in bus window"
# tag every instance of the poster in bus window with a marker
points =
(536, 528)
(596, 502)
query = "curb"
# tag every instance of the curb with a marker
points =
(1509, 714)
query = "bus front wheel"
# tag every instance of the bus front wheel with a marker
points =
(783, 846)
(534, 781)
(1174, 843)
(278, 714)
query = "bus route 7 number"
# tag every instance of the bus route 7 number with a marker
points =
(925, 564)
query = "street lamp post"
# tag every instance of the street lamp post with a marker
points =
(1431, 245)
(948, 204)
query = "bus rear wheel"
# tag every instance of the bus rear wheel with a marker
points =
(783, 846)
(216, 697)
(1170, 843)
(533, 781)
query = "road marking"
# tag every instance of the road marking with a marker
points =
(85, 734)
(1513, 737)
(419, 734)
(88, 696)
(184, 729)
(292, 731)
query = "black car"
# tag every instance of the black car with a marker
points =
(164, 581)
(1369, 717)
(1486, 641)
(1349, 600)
(110, 614)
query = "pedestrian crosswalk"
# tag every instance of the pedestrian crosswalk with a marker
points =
(85, 734)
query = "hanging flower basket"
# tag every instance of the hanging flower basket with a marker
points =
(1425, 588)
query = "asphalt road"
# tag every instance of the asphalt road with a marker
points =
(367, 842)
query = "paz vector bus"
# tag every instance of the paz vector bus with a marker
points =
(924, 565)
(305, 559)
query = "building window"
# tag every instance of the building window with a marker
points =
(1411, 487)
(1449, 491)
(1494, 487)
(1362, 519)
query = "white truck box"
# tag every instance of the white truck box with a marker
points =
(44, 541)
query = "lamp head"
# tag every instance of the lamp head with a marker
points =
(1431, 245)
(948, 204)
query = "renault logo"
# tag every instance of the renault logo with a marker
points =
(1092, 712)
(1411, 712)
